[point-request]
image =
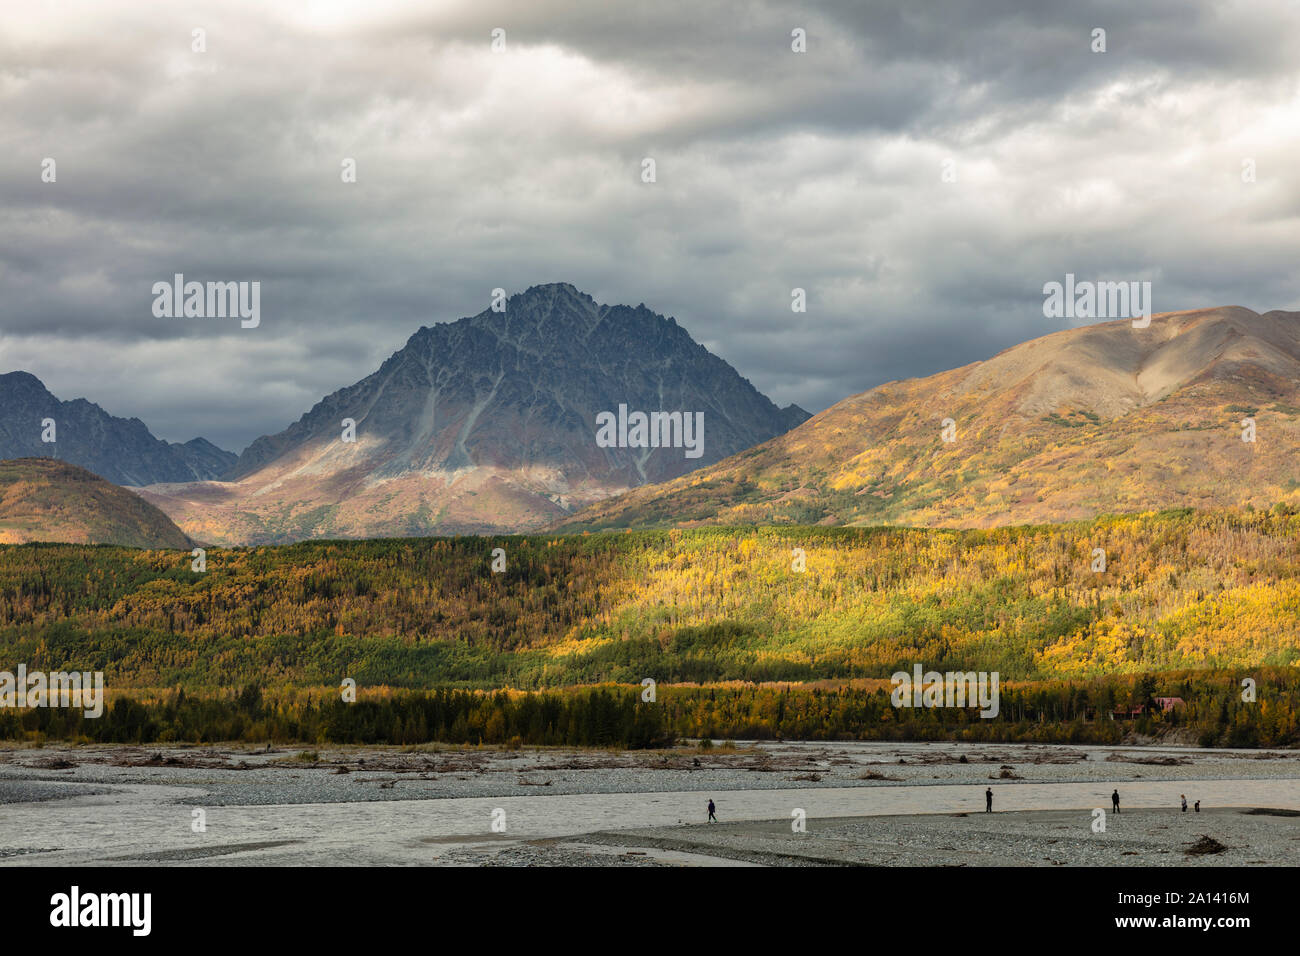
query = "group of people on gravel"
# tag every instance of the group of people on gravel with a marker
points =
(1114, 801)
(988, 803)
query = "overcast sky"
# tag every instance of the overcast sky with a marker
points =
(479, 168)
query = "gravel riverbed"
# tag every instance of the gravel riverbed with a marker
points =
(882, 804)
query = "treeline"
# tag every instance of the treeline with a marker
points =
(581, 718)
(1176, 590)
(1215, 714)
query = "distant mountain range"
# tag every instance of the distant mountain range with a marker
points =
(120, 450)
(493, 423)
(42, 499)
(1102, 418)
(490, 423)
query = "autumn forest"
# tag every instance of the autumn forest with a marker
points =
(758, 632)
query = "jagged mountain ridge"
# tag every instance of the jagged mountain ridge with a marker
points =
(120, 450)
(484, 424)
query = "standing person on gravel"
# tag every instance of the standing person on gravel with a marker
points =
(988, 800)
(712, 818)
(1114, 801)
(1184, 796)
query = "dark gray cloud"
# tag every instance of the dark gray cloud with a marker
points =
(479, 169)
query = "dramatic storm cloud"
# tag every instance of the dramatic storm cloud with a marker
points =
(479, 168)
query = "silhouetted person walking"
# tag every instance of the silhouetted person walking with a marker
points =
(1114, 801)
(1198, 806)
(712, 818)
(1184, 796)
(988, 800)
